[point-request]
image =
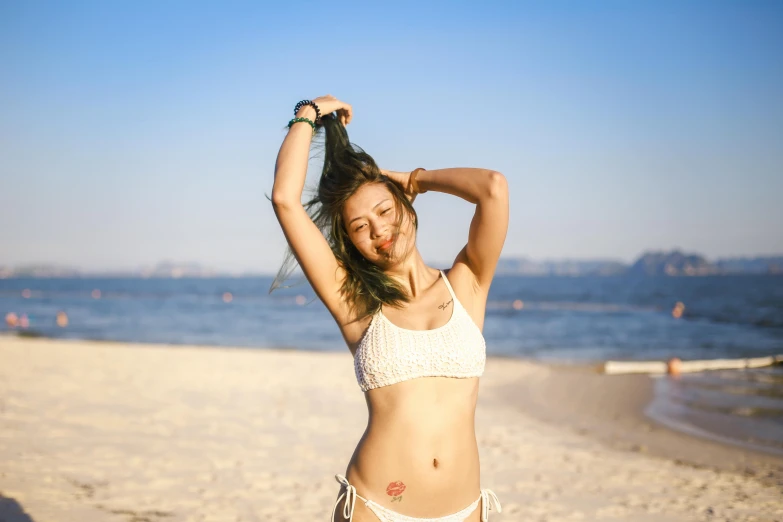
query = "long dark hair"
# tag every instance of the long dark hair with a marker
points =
(346, 168)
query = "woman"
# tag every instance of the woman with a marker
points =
(414, 331)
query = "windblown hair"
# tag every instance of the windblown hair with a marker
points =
(346, 168)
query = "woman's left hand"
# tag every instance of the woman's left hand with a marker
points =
(402, 179)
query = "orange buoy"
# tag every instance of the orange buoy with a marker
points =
(11, 319)
(62, 319)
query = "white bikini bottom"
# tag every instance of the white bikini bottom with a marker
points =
(387, 515)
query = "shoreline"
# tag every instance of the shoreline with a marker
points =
(612, 409)
(91, 430)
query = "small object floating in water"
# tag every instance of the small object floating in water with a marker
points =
(26, 293)
(678, 310)
(11, 319)
(96, 294)
(618, 367)
(228, 297)
(62, 319)
(518, 304)
(301, 300)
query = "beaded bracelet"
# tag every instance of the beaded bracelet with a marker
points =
(309, 102)
(295, 120)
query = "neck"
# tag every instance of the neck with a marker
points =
(413, 274)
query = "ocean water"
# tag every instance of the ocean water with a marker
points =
(565, 319)
(734, 406)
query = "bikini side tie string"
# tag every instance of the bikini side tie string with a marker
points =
(350, 499)
(486, 496)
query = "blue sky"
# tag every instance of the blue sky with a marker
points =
(137, 132)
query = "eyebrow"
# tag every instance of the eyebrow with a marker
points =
(376, 206)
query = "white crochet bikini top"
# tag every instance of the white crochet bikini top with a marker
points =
(388, 354)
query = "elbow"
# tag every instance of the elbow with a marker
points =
(278, 200)
(281, 200)
(497, 186)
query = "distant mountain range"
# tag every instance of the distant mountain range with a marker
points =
(674, 263)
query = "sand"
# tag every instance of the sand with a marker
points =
(611, 409)
(95, 431)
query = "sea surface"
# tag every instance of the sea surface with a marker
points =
(550, 319)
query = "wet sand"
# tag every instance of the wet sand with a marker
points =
(118, 432)
(611, 409)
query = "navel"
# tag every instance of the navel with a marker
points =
(435, 463)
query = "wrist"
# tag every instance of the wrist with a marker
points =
(306, 111)
(415, 179)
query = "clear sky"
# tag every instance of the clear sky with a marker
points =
(136, 132)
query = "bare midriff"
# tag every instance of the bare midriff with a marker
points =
(421, 433)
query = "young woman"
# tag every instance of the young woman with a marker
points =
(414, 331)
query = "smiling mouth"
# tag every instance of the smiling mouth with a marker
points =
(386, 246)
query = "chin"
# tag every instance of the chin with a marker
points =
(400, 251)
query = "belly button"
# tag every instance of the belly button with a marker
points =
(435, 462)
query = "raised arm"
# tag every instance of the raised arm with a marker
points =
(306, 240)
(488, 190)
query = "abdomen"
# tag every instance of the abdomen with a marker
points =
(421, 433)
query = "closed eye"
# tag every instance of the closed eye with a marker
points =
(363, 225)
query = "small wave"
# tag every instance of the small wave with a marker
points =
(731, 406)
(734, 406)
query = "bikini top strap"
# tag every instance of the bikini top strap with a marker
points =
(448, 285)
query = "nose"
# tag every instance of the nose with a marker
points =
(377, 228)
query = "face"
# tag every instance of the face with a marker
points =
(371, 216)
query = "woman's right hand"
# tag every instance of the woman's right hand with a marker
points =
(329, 104)
(402, 179)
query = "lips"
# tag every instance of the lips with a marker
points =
(386, 245)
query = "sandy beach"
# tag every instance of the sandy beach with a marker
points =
(98, 431)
